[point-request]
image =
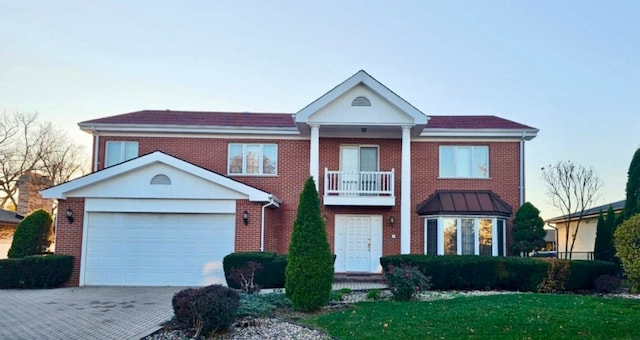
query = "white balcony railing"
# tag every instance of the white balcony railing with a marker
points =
(359, 186)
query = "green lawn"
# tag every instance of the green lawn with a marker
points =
(513, 316)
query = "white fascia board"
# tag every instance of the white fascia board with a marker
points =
(480, 133)
(61, 191)
(158, 128)
(360, 77)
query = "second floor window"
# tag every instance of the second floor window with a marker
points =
(118, 152)
(464, 161)
(253, 159)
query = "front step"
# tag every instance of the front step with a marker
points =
(358, 277)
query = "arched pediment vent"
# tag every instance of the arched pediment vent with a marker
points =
(361, 101)
(160, 179)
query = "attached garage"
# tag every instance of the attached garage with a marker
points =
(136, 230)
(156, 249)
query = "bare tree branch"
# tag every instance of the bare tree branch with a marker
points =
(572, 189)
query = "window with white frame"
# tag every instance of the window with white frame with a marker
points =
(119, 151)
(464, 235)
(464, 161)
(253, 159)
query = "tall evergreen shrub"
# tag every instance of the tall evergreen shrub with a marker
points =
(528, 230)
(309, 272)
(32, 235)
(599, 250)
(627, 242)
(632, 202)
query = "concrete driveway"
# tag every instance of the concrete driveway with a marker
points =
(84, 312)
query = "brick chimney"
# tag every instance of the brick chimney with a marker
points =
(29, 198)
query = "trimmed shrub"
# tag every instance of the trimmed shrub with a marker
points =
(627, 243)
(583, 273)
(38, 271)
(309, 272)
(270, 276)
(528, 230)
(557, 275)
(606, 284)
(207, 310)
(32, 236)
(406, 281)
(261, 305)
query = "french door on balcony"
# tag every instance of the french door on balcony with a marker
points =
(355, 163)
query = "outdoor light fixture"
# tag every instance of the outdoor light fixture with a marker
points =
(392, 221)
(245, 217)
(363, 129)
(69, 214)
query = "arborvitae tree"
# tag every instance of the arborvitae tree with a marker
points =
(528, 230)
(611, 222)
(309, 272)
(602, 236)
(632, 203)
(32, 235)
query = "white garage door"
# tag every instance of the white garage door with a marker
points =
(137, 249)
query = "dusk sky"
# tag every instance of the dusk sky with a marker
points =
(568, 68)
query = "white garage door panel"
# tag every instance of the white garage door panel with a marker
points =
(157, 249)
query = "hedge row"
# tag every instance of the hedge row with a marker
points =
(502, 273)
(270, 276)
(37, 271)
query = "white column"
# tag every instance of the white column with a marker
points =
(314, 160)
(405, 192)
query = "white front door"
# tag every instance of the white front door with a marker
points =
(358, 243)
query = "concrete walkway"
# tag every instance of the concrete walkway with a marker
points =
(84, 312)
(96, 312)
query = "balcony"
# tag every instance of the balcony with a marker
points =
(361, 188)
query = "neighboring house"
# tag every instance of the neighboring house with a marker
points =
(29, 199)
(173, 192)
(584, 246)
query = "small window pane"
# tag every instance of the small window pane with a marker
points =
(463, 162)
(235, 158)
(253, 159)
(480, 162)
(450, 236)
(114, 150)
(501, 231)
(130, 150)
(467, 236)
(432, 237)
(446, 162)
(269, 159)
(485, 237)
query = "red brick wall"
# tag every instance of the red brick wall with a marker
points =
(69, 235)
(293, 169)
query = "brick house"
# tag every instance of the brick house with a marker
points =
(173, 192)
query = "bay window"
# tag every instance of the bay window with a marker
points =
(464, 235)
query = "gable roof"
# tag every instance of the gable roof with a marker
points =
(464, 202)
(589, 213)
(64, 190)
(361, 77)
(476, 126)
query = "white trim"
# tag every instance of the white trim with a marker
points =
(405, 193)
(202, 135)
(160, 205)
(479, 133)
(314, 155)
(65, 190)
(161, 128)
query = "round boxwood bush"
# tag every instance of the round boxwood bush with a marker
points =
(32, 236)
(207, 310)
(627, 243)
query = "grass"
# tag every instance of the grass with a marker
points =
(512, 316)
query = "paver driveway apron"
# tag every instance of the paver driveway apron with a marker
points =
(84, 312)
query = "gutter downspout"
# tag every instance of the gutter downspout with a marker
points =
(271, 202)
(522, 168)
(96, 148)
(555, 245)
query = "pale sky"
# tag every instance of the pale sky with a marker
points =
(568, 68)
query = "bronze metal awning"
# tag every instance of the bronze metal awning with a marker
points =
(464, 202)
